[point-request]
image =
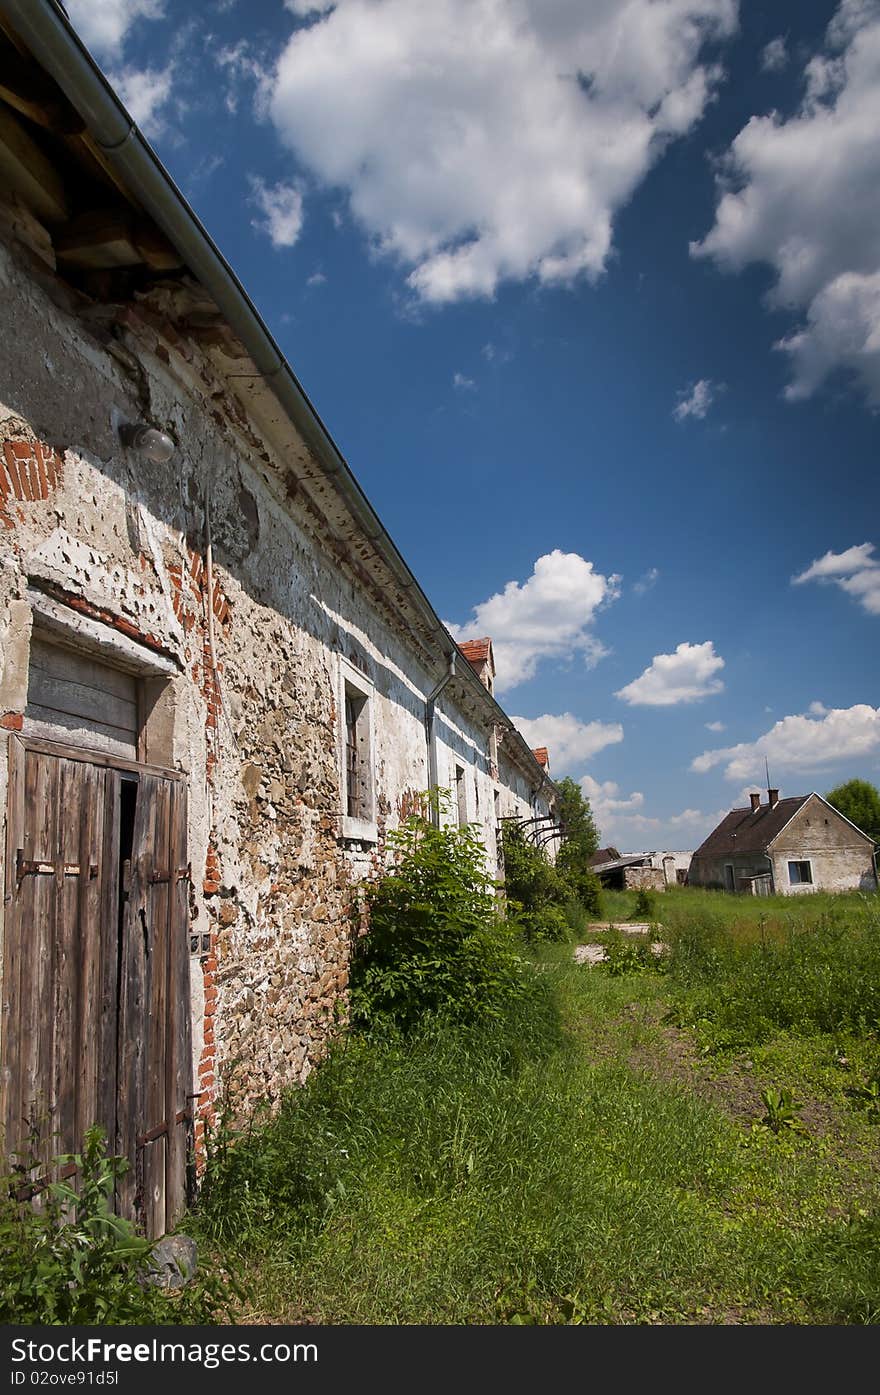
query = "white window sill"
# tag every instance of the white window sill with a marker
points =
(359, 830)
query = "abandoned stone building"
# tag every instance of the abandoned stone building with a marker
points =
(785, 847)
(220, 684)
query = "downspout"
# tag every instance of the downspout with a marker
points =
(430, 707)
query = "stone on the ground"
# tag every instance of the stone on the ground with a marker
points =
(172, 1262)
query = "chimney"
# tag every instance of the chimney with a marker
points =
(773, 796)
(756, 802)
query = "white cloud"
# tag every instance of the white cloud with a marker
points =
(547, 617)
(801, 743)
(856, 571)
(104, 24)
(696, 400)
(646, 582)
(715, 726)
(317, 278)
(605, 798)
(239, 64)
(570, 741)
(488, 140)
(685, 676)
(462, 383)
(145, 92)
(803, 195)
(282, 209)
(774, 56)
(622, 823)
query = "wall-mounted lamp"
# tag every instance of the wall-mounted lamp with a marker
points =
(149, 442)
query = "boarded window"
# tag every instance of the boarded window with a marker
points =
(460, 796)
(73, 697)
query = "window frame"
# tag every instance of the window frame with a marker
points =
(355, 685)
(800, 862)
(460, 793)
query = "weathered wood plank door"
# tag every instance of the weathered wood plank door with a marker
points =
(95, 1000)
(154, 1050)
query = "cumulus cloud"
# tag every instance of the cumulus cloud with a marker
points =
(856, 571)
(806, 742)
(145, 92)
(570, 741)
(696, 400)
(489, 140)
(547, 617)
(104, 24)
(282, 208)
(715, 726)
(803, 195)
(622, 822)
(463, 383)
(606, 799)
(774, 56)
(684, 676)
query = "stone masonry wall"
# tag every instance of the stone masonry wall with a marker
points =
(253, 717)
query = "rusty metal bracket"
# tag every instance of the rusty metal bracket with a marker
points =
(183, 874)
(37, 867)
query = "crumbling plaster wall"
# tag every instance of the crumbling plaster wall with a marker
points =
(841, 860)
(253, 717)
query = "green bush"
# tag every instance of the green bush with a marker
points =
(646, 906)
(70, 1260)
(535, 883)
(549, 924)
(436, 943)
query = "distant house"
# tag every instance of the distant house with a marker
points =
(786, 846)
(603, 855)
(653, 870)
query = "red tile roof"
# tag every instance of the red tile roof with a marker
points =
(476, 651)
(541, 755)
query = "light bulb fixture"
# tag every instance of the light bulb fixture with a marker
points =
(149, 442)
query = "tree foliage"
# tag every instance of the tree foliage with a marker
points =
(580, 840)
(859, 802)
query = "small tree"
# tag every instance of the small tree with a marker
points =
(436, 944)
(580, 839)
(859, 802)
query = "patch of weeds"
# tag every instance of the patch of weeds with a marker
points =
(780, 1112)
(66, 1258)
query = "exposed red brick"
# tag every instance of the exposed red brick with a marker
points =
(11, 721)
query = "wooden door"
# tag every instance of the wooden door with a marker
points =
(95, 1002)
(154, 1052)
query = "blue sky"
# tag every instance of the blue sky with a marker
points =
(588, 294)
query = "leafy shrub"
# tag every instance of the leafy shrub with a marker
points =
(645, 907)
(435, 943)
(530, 880)
(72, 1261)
(549, 924)
(534, 882)
(627, 954)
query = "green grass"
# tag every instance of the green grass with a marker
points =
(548, 1173)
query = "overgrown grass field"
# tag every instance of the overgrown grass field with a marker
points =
(615, 1151)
